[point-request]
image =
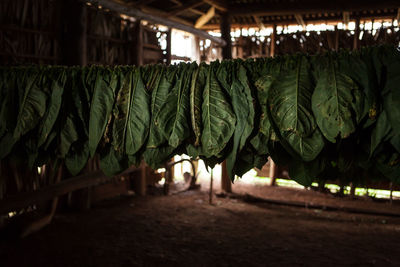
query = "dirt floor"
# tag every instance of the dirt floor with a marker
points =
(184, 230)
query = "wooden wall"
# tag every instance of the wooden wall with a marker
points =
(32, 32)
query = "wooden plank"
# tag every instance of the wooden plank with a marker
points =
(226, 36)
(205, 18)
(122, 9)
(22, 200)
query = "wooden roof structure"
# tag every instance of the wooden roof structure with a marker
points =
(205, 14)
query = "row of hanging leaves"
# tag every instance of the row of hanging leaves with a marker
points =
(328, 116)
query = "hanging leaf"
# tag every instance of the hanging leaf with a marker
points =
(242, 103)
(173, 117)
(101, 106)
(380, 131)
(68, 135)
(77, 157)
(53, 108)
(196, 91)
(159, 96)
(32, 106)
(218, 118)
(289, 101)
(333, 102)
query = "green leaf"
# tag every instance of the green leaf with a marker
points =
(68, 135)
(32, 106)
(159, 96)
(53, 109)
(173, 118)
(218, 117)
(380, 132)
(333, 102)
(132, 114)
(242, 103)
(196, 91)
(112, 162)
(302, 172)
(289, 100)
(77, 157)
(101, 106)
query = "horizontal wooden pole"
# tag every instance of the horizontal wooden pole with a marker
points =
(22, 200)
(129, 11)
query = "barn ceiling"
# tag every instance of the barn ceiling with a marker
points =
(205, 14)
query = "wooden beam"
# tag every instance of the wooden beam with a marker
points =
(169, 56)
(205, 18)
(218, 4)
(273, 44)
(259, 22)
(300, 20)
(196, 11)
(346, 18)
(139, 3)
(226, 36)
(193, 10)
(356, 40)
(23, 200)
(308, 7)
(138, 44)
(116, 7)
(179, 9)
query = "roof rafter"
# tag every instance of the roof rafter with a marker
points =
(205, 18)
(185, 6)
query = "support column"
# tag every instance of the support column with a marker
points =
(356, 41)
(273, 170)
(226, 184)
(73, 35)
(226, 36)
(138, 44)
(273, 42)
(169, 46)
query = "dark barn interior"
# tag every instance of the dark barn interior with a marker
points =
(199, 133)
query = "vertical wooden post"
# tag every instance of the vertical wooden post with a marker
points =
(226, 36)
(273, 170)
(138, 44)
(226, 54)
(226, 184)
(73, 37)
(336, 38)
(169, 46)
(356, 42)
(273, 42)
